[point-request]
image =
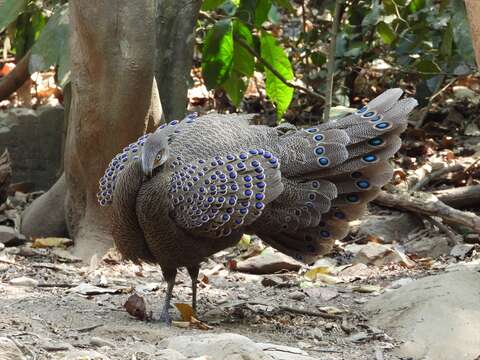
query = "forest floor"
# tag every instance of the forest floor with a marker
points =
(55, 307)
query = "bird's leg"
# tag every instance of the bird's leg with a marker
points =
(193, 272)
(169, 276)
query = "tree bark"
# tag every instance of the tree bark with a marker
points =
(5, 175)
(175, 37)
(473, 12)
(114, 100)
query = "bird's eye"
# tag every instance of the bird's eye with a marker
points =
(159, 156)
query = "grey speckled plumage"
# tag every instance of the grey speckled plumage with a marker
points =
(220, 177)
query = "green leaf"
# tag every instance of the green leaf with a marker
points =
(428, 67)
(386, 33)
(261, 12)
(217, 53)
(9, 11)
(280, 94)
(416, 5)
(235, 87)
(52, 47)
(461, 31)
(447, 42)
(243, 61)
(211, 4)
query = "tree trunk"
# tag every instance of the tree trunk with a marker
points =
(174, 52)
(473, 12)
(114, 99)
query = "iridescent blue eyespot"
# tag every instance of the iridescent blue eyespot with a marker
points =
(376, 118)
(234, 187)
(210, 199)
(223, 187)
(221, 199)
(247, 185)
(195, 178)
(368, 114)
(213, 188)
(255, 163)
(325, 233)
(311, 196)
(213, 177)
(260, 176)
(353, 198)
(229, 167)
(361, 110)
(273, 161)
(201, 161)
(232, 175)
(232, 201)
(319, 150)
(253, 152)
(243, 210)
(382, 125)
(339, 215)
(243, 156)
(363, 184)
(247, 178)
(248, 192)
(174, 122)
(369, 158)
(312, 130)
(318, 137)
(315, 184)
(375, 142)
(267, 155)
(259, 197)
(230, 157)
(225, 217)
(259, 205)
(261, 184)
(356, 174)
(230, 210)
(261, 151)
(323, 161)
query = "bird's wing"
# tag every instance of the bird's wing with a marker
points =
(219, 195)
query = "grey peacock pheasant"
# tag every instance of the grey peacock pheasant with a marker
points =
(192, 188)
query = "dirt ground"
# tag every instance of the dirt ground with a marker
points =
(50, 304)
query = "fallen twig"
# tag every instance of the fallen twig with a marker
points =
(434, 175)
(452, 239)
(428, 204)
(308, 312)
(461, 197)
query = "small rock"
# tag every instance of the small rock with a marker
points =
(324, 293)
(316, 333)
(272, 281)
(2, 246)
(428, 246)
(390, 228)
(461, 250)
(296, 295)
(268, 263)
(282, 352)
(65, 255)
(10, 237)
(217, 346)
(169, 354)
(379, 255)
(472, 238)
(99, 342)
(356, 272)
(24, 281)
(358, 337)
(400, 282)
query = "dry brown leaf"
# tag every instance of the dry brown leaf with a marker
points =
(185, 310)
(52, 242)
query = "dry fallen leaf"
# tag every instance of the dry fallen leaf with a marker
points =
(52, 242)
(313, 273)
(185, 310)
